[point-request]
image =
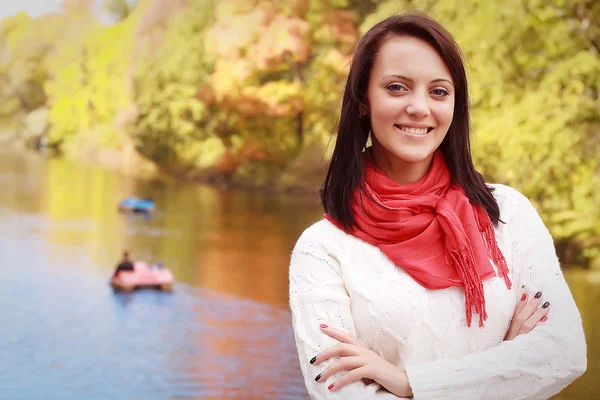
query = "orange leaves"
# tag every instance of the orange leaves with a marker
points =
(249, 45)
(341, 26)
(284, 37)
(233, 35)
(262, 37)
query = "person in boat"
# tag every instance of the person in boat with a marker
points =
(125, 265)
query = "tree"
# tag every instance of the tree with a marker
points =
(173, 126)
(88, 84)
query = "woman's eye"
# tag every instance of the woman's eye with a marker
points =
(394, 87)
(440, 92)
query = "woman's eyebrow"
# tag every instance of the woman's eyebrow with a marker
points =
(397, 76)
(442, 80)
(410, 80)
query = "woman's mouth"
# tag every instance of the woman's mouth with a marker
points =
(414, 131)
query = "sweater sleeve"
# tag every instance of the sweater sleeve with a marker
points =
(536, 365)
(318, 295)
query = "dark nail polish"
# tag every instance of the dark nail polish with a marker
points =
(544, 318)
(523, 297)
(538, 295)
(318, 377)
(330, 386)
(546, 304)
(312, 360)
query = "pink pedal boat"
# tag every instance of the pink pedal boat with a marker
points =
(142, 276)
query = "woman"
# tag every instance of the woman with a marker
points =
(422, 280)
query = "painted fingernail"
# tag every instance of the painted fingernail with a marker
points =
(330, 386)
(324, 326)
(543, 318)
(318, 377)
(523, 297)
(546, 304)
(312, 360)
(538, 295)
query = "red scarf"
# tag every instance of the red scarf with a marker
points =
(431, 230)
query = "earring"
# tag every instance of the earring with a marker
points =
(369, 141)
(360, 115)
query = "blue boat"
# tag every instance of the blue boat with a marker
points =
(137, 205)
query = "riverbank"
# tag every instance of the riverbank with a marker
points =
(301, 177)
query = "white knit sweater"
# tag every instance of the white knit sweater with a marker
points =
(346, 283)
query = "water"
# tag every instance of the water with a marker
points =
(224, 333)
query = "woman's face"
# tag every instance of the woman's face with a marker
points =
(411, 104)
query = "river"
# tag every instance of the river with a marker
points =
(223, 333)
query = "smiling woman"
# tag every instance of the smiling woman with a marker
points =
(415, 247)
(410, 105)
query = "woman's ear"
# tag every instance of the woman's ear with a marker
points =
(362, 111)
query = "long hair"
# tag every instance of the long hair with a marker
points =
(346, 168)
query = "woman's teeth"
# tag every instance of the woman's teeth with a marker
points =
(414, 131)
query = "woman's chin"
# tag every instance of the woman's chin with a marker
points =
(414, 157)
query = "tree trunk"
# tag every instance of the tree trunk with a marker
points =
(297, 73)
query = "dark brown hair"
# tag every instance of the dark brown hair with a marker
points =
(346, 168)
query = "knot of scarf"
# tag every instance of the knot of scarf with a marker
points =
(430, 229)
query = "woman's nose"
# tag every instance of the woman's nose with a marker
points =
(418, 107)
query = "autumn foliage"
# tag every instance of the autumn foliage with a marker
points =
(249, 91)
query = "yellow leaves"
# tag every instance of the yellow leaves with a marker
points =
(229, 77)
(206, 153)
(227, 8)
(281, 98)
(384, 10)
(273, 99)
(89, 83)
(337, 61)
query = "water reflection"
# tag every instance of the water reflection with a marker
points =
(230, 242)
(68, 334)
(224, 333)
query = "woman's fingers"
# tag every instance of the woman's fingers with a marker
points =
(527, 314)
(513, 330)
(341, 335)
(343, 364)
(528, 310)
(535, 319)
(544, 318)
(339, 350)
(352, 376)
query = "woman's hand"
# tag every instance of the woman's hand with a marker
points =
(528, 315)
(361, 363)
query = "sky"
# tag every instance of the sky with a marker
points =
(32, 7)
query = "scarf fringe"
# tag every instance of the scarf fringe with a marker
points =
(464, 263)
(497, 256)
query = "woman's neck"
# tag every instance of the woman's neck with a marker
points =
(398, 170)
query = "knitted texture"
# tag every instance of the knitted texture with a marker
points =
(346, 283)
